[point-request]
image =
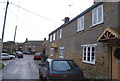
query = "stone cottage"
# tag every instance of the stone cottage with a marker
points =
(90, 39)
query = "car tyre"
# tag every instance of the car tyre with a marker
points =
(11, 58)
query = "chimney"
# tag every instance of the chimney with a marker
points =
(26, 39)
(44, 39)
(96, 1)
(66, 20)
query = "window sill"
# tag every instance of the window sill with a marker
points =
(93, 63)
(96, 24)
(79, 31)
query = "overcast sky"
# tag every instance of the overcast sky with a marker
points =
(37, 27)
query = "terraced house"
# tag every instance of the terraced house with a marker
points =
(91, 39)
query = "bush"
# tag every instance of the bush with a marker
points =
(1, 66)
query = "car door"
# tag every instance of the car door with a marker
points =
(44, 69)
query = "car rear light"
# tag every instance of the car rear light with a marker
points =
(53, 75)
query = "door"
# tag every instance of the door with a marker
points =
(115, 65)
(44, 69)
(56, 52)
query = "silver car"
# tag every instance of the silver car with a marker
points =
(7, 56)
(59, 70)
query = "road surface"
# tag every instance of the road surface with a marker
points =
(21, 69)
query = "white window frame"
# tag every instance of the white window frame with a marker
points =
(59, 33)
(54, 36)
(51, 38)
(61, 52)
(91, 59)
(51, 51)
(80, 24)
(97, 16)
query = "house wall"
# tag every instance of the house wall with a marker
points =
(34, 45)
(72, 40)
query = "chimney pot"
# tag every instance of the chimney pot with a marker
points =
(66, 19)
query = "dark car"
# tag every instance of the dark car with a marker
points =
(37, 56)
(19, 54)
(26, 52)
(59, 70)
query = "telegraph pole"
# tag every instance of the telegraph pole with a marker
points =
(15, 33)
(5, 20)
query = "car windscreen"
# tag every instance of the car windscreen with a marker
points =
(63, 65)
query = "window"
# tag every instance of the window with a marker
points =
(61, 52)
(46, 64)
(54, 36)
(51, 38)
(64, 65)
(61, 66)
(80, 24)
(51, 51)
(33, 46)
(59, 33)
(97, 15)
(89, 53)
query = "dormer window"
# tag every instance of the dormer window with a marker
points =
(97, 15)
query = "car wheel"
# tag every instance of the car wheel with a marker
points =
(11, 58)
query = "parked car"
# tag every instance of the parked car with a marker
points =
(19, 54)
(7, 56)
(37, 56)
(26, 52)
(60, 69)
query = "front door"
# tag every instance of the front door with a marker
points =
(56, 52)
(115, 65)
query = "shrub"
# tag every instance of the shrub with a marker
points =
(1, 66)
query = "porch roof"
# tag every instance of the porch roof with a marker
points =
(110, 34)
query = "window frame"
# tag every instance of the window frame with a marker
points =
(59, 33)
(86, 52)
(97, 12)
(79, 25)
(54, 36)
(51, 51)
(51, 38)
(61, 54)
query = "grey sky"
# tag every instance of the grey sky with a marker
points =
(34, 27)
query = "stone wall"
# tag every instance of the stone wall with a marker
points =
(72, 42)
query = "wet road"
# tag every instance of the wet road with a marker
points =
(21, 68)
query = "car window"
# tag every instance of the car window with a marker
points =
(5, 55)
(60, 66)
(46, 64)
(72, 64)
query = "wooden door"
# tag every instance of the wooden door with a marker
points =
(115, 65)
